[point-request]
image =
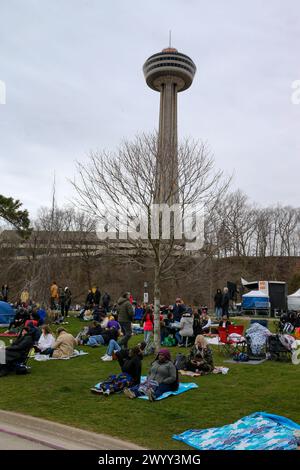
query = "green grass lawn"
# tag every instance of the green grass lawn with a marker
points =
(60, 391)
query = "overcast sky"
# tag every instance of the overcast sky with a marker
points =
(74, 82)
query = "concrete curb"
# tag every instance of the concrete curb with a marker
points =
(58, 436)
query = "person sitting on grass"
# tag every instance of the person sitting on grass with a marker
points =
(104, 338)
(224, 323)
(17, 352)
(131, 367)
(94, 329)
(20, 318)
(46, 340)
(200, 358)
(34, 331)
(162, 378)
(112, 347)
(205, 321)
(186, 328)
(63, 346)
(113, 323)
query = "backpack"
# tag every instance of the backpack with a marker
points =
(169, 341)
(180, 361)
(241, 357)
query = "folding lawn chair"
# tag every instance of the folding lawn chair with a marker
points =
(238, 346)
(228, 345)
(223, 344)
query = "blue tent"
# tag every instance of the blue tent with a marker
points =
(255, 300)
(7, 313)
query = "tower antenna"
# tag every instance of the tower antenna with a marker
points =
(170, 37)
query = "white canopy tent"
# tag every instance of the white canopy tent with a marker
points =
(256, 293)
(294, 300)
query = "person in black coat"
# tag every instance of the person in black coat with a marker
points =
(17, 352)
(89, 299)
(224, 323)
(97, 296)
(178, 310)
(106, 302)
(225, 302)
(131, 363)
(4, 291)
(218, 303)
(108, 334)
(95, 329)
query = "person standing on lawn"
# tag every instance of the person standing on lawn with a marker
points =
(148, 324)
(106, 301)
(218, 304)
(125, 317)
(225, 302)
(68, 300)
(53, 295)
(4, 292)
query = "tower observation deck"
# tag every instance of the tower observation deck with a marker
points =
(168, 72)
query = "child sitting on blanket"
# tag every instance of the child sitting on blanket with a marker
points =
(162, 378)
(200, 358)
(131, 366)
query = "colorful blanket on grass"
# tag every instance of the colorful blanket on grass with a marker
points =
(183, 387)
(258, 431)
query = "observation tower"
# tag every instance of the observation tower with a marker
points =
(168, 72)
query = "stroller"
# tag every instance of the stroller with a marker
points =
(276, 350)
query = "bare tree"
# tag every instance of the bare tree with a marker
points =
(111, 185)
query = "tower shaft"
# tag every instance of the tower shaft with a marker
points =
(167, 158)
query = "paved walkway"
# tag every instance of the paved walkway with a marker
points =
(19, 431)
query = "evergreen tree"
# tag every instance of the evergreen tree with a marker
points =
(10, 211)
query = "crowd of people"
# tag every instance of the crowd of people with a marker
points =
(111, 326)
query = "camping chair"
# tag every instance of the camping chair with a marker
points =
(223, 343)
(238, 346)
(276, 350)
(237, 329)
(228, 345)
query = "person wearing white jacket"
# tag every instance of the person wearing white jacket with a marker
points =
(46, 340)
(186, 328)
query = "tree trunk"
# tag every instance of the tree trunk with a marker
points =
(157, 309)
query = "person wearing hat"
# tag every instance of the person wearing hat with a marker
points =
(162, 378)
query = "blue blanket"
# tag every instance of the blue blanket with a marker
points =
(183, 387)
(258, 431)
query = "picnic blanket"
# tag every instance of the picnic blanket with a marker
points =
(183, 387)
(258, 431)
(44, 357)
(8, 335)
(217, 370)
